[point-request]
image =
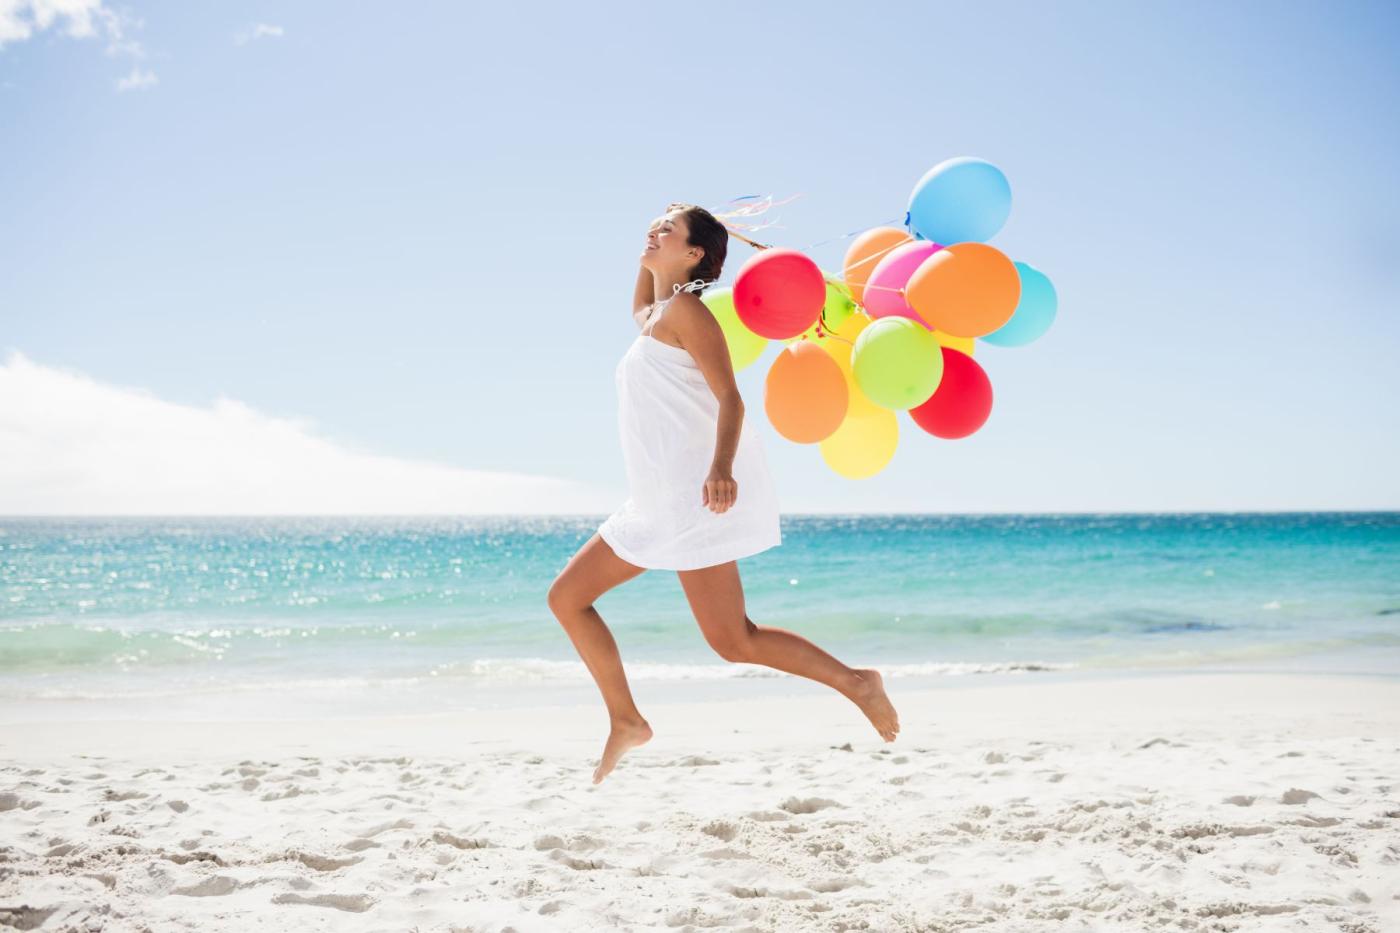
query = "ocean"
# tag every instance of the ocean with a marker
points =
(284, 616)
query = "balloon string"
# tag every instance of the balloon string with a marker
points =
(761, 204)
(873, 257)
(878, 254)
(824, 329)
(844, 236)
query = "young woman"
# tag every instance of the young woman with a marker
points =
(700, 495)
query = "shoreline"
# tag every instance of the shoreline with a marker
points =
(351, 699)
(799, 715)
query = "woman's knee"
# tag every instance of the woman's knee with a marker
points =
(734, 649)
(734, 645)
(562, 596)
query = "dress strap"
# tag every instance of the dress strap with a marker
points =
(661, 306)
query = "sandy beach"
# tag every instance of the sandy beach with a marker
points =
(1200, 801)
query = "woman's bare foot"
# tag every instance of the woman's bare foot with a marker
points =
(624, 735)
(869, 695)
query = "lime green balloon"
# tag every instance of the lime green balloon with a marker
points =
(744, 345)
(839, 303)
(839, 306)
(897, 362)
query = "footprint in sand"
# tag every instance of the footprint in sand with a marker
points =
(459, 842)
(217, 886)
(806, 804)
(354, 903)
(832, 885)
(695, 761)
(113, 796)
(578, 864)
(322, 862)
(25, 918)
(766, 816)
(385, 827)
(292, 791)
(720, 830)
(359, 845)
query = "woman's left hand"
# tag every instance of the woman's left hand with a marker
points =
(720, 490)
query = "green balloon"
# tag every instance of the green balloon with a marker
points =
(839, 306)
(897, 362)
(744, 345)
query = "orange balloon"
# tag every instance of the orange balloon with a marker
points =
(805, 393)
(865, 254)
(967, 289)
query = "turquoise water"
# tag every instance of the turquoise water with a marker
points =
(120, 608)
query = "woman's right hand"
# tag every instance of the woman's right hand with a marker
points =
(720, 490)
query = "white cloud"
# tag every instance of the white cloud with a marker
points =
(21, 19)
(70, 445)
(138, 79)
(258, 31)
(81, 19)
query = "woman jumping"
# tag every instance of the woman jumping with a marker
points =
(688, 451)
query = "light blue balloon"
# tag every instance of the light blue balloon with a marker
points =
(962, 200)
(1034, 312)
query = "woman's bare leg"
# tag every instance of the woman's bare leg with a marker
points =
(589, 574)
(716, 598)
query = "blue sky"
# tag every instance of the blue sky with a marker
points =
(409, 235)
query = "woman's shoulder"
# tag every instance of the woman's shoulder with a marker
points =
(690, 307)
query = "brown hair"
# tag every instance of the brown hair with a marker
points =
(707, 233)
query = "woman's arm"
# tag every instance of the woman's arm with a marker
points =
(644, 297)
(703, 338)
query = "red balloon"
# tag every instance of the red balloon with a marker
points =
(779, 293)
(962, 401)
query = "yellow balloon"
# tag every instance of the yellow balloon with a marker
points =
(862, 446)
(859, 404)
(961, 344)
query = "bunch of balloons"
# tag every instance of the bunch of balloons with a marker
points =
(896, 330)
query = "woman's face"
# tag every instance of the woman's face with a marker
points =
(666, 248)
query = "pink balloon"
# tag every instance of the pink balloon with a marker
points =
(893, 271)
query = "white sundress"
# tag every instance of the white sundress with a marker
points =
(667, 417)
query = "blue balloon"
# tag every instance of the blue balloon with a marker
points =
(962, 200)
(1034, 312)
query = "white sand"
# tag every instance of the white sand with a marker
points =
(1185, 802)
